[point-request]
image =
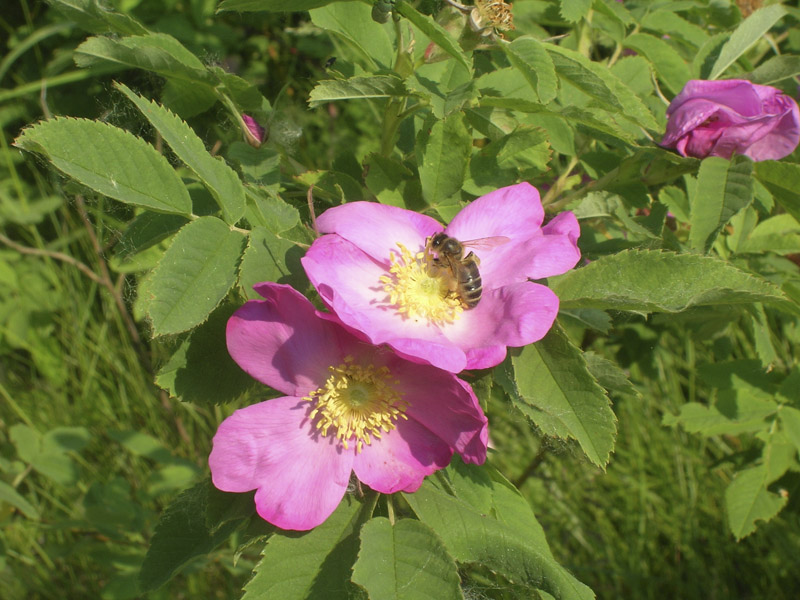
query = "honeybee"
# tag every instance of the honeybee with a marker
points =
(464, 278)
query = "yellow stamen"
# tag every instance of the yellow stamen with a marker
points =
(357, 402)
(419, 291)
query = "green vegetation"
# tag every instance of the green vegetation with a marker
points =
(702, 374)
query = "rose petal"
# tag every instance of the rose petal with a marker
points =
(515, 212)
(280, 341)
(300, 476)
(735, 94)
(781, 142)
(446, 406)
(552, 251)
(377, 228)
(515, 315)
(401, 458)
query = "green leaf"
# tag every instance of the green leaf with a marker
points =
(275, 214)
(156, 52)
(146, 230)
(260, 166)
(724, 187)
(219, 178)
(271, 5)
(748, 500)
(10, 496)
(530, 58)
(775, 69)
(750, 31)
(669, 65)
(596, 81)
(387, 178)
(352, 21)
(443, 152)
(521, 154)
(790, 421)
(404, 561)
(674, 198)
(196, 272)
(648, 281)
(438, 34)
(730, 415)
(270, 258)
(98, 18)
(45, 454)
(314, 564)
(670, 23)
(201, 371)
(30, 213)
(608, 374)
(473, 537)
(182, 534)
(375, 86)
(575, 10)
(782, 179)
(556, 391)
(187, 99)
(110, 161)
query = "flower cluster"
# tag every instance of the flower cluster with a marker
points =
(371, 387)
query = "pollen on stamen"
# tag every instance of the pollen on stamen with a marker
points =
(418, 292)
(356, 404)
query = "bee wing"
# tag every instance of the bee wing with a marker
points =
(486, 243)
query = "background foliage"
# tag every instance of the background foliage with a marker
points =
(126, 243)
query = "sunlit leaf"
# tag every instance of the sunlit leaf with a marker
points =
(557, 392)
(724, 187)
(748, 33)
(404, 561)
(315, 564)
(196, 272)
(110, 161)
(355, 88)
(219, 178)
(472, 537)
(653, 281)
(748, 500)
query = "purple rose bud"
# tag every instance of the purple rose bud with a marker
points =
(253, 132)
(718, 118)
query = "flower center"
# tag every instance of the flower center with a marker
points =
(420, 291)
(358, 403)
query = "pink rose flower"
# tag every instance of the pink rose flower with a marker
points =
(718, 118)
(348, 407)
(373, 273)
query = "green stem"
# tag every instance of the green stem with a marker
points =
(390, 509)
